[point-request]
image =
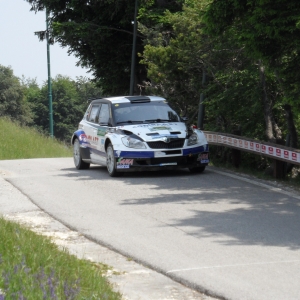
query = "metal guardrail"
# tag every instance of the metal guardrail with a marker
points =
(271, 150)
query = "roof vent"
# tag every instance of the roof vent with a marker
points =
(138, 99)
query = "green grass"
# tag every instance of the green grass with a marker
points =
(32, 267)
(18, 142)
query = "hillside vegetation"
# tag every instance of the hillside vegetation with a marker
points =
(19, 142)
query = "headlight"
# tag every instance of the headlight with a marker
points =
(193, 139)
(133, 143)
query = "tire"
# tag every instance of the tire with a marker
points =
(111, 161)
(197, 169)
(79, 163)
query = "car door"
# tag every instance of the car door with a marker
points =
(103, 124)
(91, 130)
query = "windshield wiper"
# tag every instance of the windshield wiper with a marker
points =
(159, 120)
(129, 121)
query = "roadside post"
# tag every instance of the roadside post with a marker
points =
(49, 78)
(201, 111)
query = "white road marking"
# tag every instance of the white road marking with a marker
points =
(272, 188)
(235, 265)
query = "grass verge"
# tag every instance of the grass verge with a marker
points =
(32, 267)
(18, 142)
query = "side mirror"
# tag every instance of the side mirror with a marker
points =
(184, 119)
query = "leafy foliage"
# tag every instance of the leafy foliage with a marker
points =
(69, 101)
(12, 100)
(269, 32)
(176, 60)
(100, 34)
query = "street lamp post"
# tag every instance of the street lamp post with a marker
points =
(49, 79)
(133, 51)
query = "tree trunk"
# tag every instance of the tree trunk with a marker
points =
(291, 126)
(267, 106)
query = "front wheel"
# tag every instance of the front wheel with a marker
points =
(197, 169)
(79, 163)
(111, 161)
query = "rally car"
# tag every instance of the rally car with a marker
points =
(137, 133)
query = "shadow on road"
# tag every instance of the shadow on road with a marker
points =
(217, 206)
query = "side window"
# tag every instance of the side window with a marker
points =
(104, 114)
(93, 116)
(87, 113)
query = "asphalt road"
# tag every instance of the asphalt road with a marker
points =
(227, 235)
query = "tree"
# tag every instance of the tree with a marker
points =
(69, 100)
(12, 101)
(269, 31)
(176, 57)
(99, 34)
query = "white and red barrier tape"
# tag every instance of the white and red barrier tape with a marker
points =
(263, 148)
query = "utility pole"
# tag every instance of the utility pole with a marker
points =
(201, 104)
(49, 78)
(132, 75)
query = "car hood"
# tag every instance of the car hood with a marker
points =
(157, 131)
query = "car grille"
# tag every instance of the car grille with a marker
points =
(178, 143)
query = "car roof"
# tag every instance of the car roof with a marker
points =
(132, 99)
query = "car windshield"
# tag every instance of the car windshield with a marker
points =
(149, 112)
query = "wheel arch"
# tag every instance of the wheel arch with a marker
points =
(107, 142)
(74, 137)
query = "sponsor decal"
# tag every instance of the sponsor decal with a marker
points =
(203, 158)
(270, 150)
(159, 136)
(101, 131)
(118, 152)
(124, 163)
(83, 138)
(158, 128)
(92, 139)
(123, 166)
(159, 154)
(151, 126)
(219, 139)
(169, 164)
(286, 154)
(257, 147)
(278, 152)
(223, 139)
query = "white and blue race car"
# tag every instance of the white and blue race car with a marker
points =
(137, 133)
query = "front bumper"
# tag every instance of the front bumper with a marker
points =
(142, 161)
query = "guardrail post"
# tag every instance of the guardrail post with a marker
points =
(279, 166)
(236, 154)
